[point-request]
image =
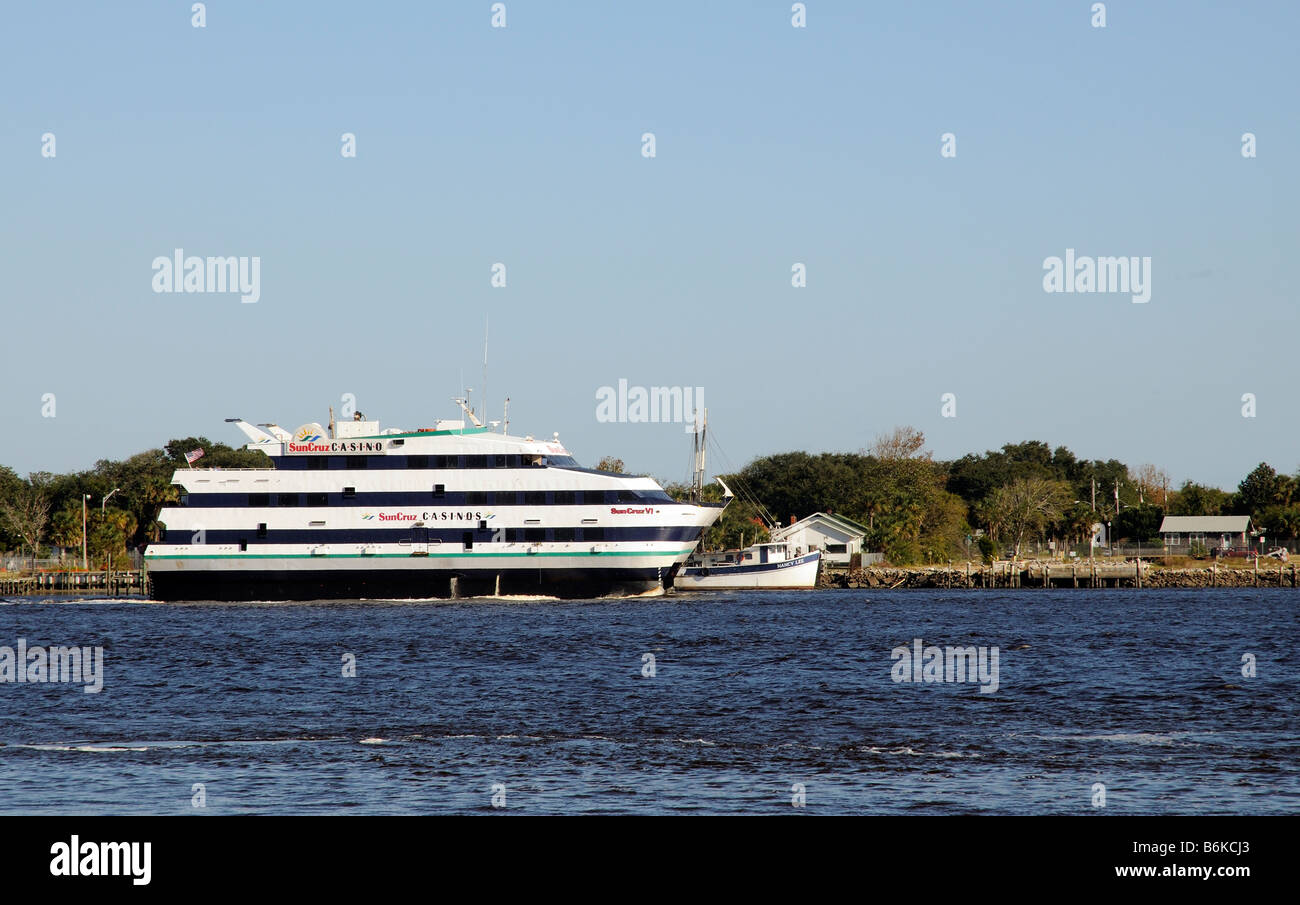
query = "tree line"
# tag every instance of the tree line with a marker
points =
(915, 508)
(919, 509)
(122, 500)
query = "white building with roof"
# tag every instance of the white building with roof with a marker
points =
(837, 537)
(1214, 532)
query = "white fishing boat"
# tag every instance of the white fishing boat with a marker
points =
(771, 566)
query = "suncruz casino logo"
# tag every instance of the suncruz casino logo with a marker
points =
(308, 433)
(438, 516)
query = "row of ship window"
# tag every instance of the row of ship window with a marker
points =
(440, 494)
(329, 463)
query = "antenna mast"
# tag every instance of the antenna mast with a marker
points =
(483, 398)
(700, 449)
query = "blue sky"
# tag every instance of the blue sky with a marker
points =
(774, 145)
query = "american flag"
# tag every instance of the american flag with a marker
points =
(193, 456)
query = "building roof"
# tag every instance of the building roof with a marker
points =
(846, 525)
(1209, 524)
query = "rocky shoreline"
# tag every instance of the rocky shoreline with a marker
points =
(1058, 575)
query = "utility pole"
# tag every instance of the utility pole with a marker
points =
(102, 503)
(85, 565)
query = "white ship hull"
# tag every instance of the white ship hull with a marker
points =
(439, 513)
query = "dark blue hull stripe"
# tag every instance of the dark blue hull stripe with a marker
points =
(414, 583)
(416, 462)
(687, 533)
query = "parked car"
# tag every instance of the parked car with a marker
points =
(1231, 554)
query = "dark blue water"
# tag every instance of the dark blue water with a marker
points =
(753, 693)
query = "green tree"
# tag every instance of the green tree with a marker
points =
(1198, 499)
(1259, 490)
(739, 525)
(1140, 523)
(26, 510)
(612, 464)
(1024, 507)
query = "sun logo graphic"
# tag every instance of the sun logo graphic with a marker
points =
(309, 433)
(367, 517)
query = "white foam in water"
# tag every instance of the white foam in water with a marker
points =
(1139, 738)
(114, 747)
(87, 748)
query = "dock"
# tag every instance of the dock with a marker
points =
(96, 584)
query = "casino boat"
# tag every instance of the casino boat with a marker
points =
(457, 510)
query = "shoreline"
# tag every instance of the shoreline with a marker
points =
(1057, 575)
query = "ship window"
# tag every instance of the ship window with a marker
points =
(439, 461)
(657, 495)
(261, 529)
(318, 463)
(505, 498)
(476, 498)
(534, 535)
(627, 496)
(439, 491)
(349, 493)
(417, 461)
(534, 498)
(288, 499)
(183, 500)
(476, 461)
(564, 534)
(593, 533)
(259, 499)
(357, 461)
(513, 535)
(593, 496)
(514, 461)
(562, 461)
(318, 499)
(564, 497)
